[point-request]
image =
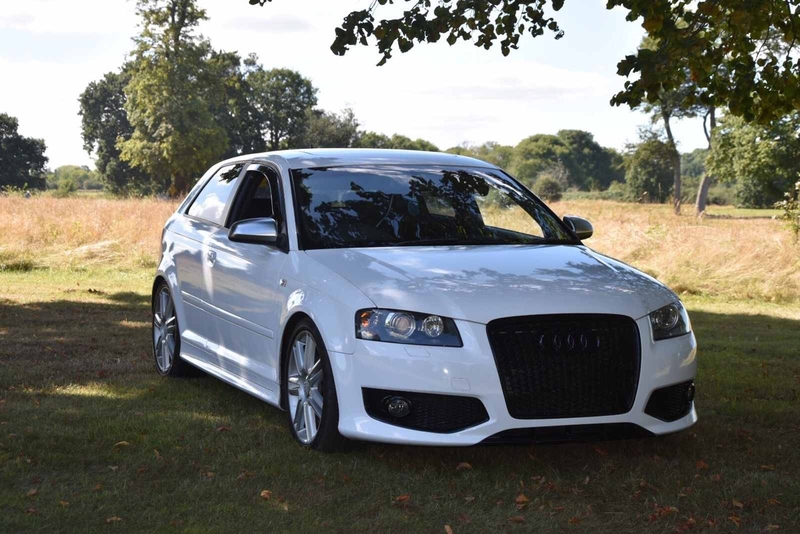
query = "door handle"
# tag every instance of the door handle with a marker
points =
(211, 257)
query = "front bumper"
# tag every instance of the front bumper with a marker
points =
(471, 371)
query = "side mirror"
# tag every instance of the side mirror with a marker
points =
(261, 231)
(582, 228)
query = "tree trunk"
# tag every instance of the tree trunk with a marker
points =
(705, 185)
(676, 165)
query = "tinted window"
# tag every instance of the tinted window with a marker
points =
(406, 206)
(210, 203)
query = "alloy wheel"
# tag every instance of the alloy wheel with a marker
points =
(165, 330)
(304, 385)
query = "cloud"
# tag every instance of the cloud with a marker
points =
(279, 23)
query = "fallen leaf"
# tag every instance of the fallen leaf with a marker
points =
(121, 444)
(158, 454)
(113, 467)
(772, 527)
(737, 504)
(517, 519)
(769, 467)
(574, 521)
(600, 452)
(402, 498)
(522, 499)
(448, 529)
(736, 520)
(716, 478)
(63, 503)
(113, 519)
(223, 428)
(31, 511)
(209, 474)
(266, 494)
(469, 498)
(701, 464)
(462, 466)
(33, 492)
(98, 487)
(245, 474)
(775, 502)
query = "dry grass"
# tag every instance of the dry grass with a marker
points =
(728, 257)
(79, 232)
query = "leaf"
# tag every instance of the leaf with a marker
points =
(701, 464)
(600, 451)
(737, 504)
(223, 428)
(448, 529)
(463, 466)
(63, 503)
(736, 520)
(98, 487)
(209, 474)
(113, 519)
(574, 521)
(517, 519)
(402, 498)
(120, 444)
(769, 467)
(33, 492)
(772, 527)
(522, 499)
(157, 454)
(31, 511)
(266, 494)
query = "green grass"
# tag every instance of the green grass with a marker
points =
(730, 211)
(77, 380)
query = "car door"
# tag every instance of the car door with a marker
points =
(245, 288)
(193, 232)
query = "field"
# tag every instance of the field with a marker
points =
(92, 439)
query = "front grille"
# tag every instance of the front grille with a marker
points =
(429, 412)
(556, 366)
(672, 402)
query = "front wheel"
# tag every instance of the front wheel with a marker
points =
(309, 392)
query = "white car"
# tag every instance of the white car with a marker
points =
(416, 298)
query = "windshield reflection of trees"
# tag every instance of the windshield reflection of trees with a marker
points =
(391, 207)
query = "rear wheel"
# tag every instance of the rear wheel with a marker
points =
(310, 392)
(166, 334)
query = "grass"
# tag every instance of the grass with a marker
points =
(92, 439)
(731, 211)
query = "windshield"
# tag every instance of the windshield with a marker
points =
(381, 206)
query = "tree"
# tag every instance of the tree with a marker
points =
(397, 141)
(541, 152)
(282, 98)
(330, 130)
(22, 159)
(104, 124)
(649, 171)
(763, 161)
(761, 82)
(175, 134)
(231, 100)
(593, 166)
(668, 105)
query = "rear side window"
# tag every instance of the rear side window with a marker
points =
(210, 203)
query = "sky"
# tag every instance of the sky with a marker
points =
(50, 50)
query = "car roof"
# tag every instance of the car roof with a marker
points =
(339, 157)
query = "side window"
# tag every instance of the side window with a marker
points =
(258, 197)
(210, 203)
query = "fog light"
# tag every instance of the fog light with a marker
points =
(690, 393)
(398, 406)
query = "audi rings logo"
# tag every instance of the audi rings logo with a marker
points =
(575, 341)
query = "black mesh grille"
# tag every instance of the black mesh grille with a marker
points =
(672, 402)
(555, 366)
(429, 412)
(560, 434)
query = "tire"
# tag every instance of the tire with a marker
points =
(166, 335)
(315, 392)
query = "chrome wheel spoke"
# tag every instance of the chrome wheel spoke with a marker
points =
(299, 418)
(311, 422)
(315, 373)
(297, 352)
(170, 325)
(157, 319)
(309, 352)
(165, 331)
(294, 386)
(316, 402)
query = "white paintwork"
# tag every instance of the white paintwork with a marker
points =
(233, 312)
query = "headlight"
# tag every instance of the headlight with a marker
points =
(670, 321)
(411, 328)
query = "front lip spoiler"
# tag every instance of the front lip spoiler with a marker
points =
(568, 433)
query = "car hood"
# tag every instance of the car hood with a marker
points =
(481, 283)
